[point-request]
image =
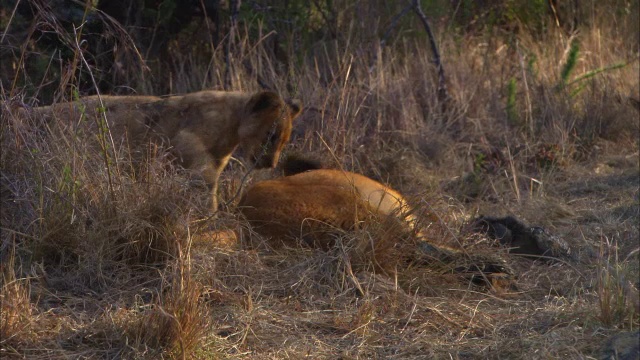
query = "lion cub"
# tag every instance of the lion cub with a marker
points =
(310, 200)
(202, 128)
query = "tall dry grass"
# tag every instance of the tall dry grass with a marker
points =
(16, 316)
(108, 252)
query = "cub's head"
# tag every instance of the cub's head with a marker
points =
(266, 128)
(296, 163)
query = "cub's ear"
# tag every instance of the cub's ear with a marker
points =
(264, 101)
(295, 106)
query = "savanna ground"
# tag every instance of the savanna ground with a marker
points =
(541, 122)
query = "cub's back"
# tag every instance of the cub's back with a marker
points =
(379, 196)
(123, 113)
(299, 204)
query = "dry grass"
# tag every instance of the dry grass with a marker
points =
(16, 316)
(98, 261)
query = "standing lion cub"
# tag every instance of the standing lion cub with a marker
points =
(202, 129)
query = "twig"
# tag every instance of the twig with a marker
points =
(555, 13)
(443, 94)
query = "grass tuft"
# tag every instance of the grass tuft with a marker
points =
(176, 321)
(16, 316)
(105, 253)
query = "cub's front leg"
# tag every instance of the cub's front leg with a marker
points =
(211, 173)
(193, 155)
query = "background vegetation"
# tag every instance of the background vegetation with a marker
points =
(540, 121)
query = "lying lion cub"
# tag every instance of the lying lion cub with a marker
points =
(203, 128)
(303, 205)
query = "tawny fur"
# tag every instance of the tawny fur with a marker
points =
(203, 128)
(300, 205)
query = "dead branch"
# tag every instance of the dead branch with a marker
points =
(385, 36)
(443, 94)
(394, 23)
